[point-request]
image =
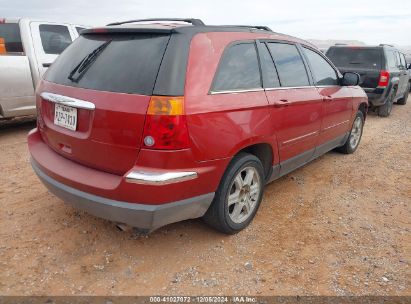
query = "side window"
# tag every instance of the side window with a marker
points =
(79, 29)
(323, 72)
(269, 72)
(290, 66)
(403, 61)
(10, 35)
(54, 38)
(391, 60)
(398, 59)
(238, 69)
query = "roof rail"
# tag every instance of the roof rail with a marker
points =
(338, 43)
(257, 27)
(195, 22)
(385, 44)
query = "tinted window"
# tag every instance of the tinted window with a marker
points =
(323, 72)
(290, 66)
(355, 57)
(128, 64)
(79, 29)
(403, 62)
(267, 65)
(54, 38)
(10, 32)
(238, 69)
(391, 59)
(398, 59)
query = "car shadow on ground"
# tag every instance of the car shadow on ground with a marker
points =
(24, 123)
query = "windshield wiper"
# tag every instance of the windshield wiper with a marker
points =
(78, 72)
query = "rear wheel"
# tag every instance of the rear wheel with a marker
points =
(385, 109)
(238, 196)
(354, 138)
(403, 100)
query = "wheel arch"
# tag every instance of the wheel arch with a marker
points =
(264, 152)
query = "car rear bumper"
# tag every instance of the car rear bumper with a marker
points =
(376, 96)
(145, 198)
(145, 217)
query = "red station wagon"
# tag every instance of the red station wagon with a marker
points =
(147, 123)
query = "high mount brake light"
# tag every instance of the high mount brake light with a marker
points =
(165, 127)
(384, 78)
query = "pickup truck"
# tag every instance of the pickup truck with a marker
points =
(27, 48)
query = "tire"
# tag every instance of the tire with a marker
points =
(243, 182)
(354, 138)
(403, 100)
(385, 109)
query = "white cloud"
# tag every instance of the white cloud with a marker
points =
(372, 21)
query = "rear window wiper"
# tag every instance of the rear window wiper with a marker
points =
(78, 72)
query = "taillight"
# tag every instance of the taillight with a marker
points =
(165, 127)
(384, 78)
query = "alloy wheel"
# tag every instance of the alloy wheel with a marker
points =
(243, 195)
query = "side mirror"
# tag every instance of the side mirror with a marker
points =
(350, 79)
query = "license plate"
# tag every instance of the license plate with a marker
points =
(65, 117)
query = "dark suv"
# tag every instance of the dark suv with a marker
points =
(383, 71)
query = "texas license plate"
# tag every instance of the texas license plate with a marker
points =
(65, 117)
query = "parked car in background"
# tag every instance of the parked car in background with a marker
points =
(27, 49)
(383, 71)
(148, 124)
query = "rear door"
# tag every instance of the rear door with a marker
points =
(337, 101)
(367, 62)
(404, 78)
(296, 105)
(49, 41)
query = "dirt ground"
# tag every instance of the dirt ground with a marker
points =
(338, 226)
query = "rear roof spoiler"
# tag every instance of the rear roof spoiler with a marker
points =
(195, 22)
(125, 30)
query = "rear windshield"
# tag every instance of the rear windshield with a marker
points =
(10, 32)
(128, 63)
(355, 57)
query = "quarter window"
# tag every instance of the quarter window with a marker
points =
(238, 69)
(54, 38)
(290, 66)
(323, 72)
(391, 59)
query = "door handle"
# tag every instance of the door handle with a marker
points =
(46, 65)
(327, 98)
(281, 103)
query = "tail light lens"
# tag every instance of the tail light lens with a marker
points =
(166, 125)
(384, 78)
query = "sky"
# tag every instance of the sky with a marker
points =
(370, 21)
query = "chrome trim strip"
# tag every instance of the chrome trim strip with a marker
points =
(236, 91)
(336, 125)
(300, 137)
(286, 88)
(68, 101)
(154, 178)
